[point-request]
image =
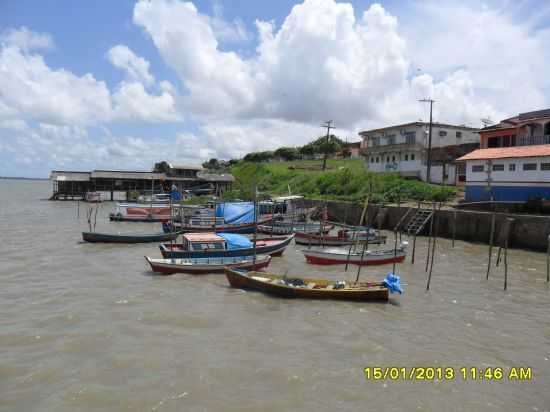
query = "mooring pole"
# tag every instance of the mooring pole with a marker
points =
(454, 228)
(548, 261)
(506, 263)
(365, 246)
(491, 238)
(349, 254)
(433, 249)
(255, 224)
(394, 251)
(430, 237)
(415, 233)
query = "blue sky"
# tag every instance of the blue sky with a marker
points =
(123, 84)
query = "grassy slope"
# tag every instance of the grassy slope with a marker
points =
(344, 180)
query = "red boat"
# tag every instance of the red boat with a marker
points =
(370, 257)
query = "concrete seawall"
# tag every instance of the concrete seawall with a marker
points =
(528, 231)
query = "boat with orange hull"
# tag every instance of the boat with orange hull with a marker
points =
(203, 266)
(339, 256)
(307, 288)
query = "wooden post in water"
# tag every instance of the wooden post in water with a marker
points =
(365, 246)
(430, 236)
(394, 250)
(414, 239)
(349, 254)
(255, 225)
(491, 238)
(454, 228)
(506, 231)
(548, 261)
(436, 231)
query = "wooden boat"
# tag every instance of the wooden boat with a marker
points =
(286, 228)
(136, 212)
(208, 226)
(343, 238)
(95, 237)
(93, 197)
(197, 245)
(338, 256)
(307, 288)
(201, 266)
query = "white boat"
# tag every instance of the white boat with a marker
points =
(338, 256)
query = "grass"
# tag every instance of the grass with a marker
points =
(343, 180)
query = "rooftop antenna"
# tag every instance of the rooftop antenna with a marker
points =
(486, 121)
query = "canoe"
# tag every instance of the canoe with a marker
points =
(274, 246)
(284, 228)
(242, 228)
(342, 239)
(338, 256)
(95, 237)
(307, 288)
(201, 266)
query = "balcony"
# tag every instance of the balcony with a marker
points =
(532, 140)
(399, 147)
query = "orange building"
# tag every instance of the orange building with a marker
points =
(532, 128)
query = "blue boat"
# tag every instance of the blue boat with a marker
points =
(197, 245)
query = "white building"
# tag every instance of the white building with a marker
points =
(509, 174)
(403, 149)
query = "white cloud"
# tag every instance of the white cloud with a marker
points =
(26, 39)
(230, 32)
(136, 68)
(132, 102)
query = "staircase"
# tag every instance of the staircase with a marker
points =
(418, 220)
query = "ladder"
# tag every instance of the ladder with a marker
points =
(418, 221)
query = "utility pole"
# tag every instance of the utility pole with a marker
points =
(328, 125)
(429, 160)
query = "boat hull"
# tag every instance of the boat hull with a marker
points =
(95, 237)
(286, 229)
(365, 291)
(323, 257)
(317, 240)
(204, 267)
(274, 247)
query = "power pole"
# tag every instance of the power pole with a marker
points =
(328, 125)
(429, 160)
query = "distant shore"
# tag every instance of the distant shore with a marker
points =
(22, 178)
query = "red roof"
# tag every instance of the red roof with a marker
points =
(507, 152)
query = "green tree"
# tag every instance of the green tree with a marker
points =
(161, 167)
(287, 153)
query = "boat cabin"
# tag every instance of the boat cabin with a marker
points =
(203, 241)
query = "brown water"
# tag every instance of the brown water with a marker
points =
(87, 327)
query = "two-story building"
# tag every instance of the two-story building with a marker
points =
(531, 128)
(404, 149)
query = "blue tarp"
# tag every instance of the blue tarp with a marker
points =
(235, 241)
(242, 212)
(393, 283)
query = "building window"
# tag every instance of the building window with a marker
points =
(498, 168)
(410, 137)
(442, 133)
(412, 157)
(545, 166)
(477, 168)
(391, 139)
(529, 166)
(375, 141)
(512, 167)
(458, 135)
(377, 160)
(393, 159)
(387, 159)
(406, 157)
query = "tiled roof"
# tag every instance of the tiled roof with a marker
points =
(507, 152)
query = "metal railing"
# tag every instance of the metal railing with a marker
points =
(532, 140)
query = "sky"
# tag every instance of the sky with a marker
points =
(124, 84)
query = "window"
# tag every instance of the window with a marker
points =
(391, 139)
(412, 157)
(387, 159)
(442, 133)
(458, 135)
(410, 137)
(498, 168)
(512, 167)
(393, 159)
(545, 166)
(529, 166)
(377, 160)
(375, 141)
(477, 168)
(406, 157)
